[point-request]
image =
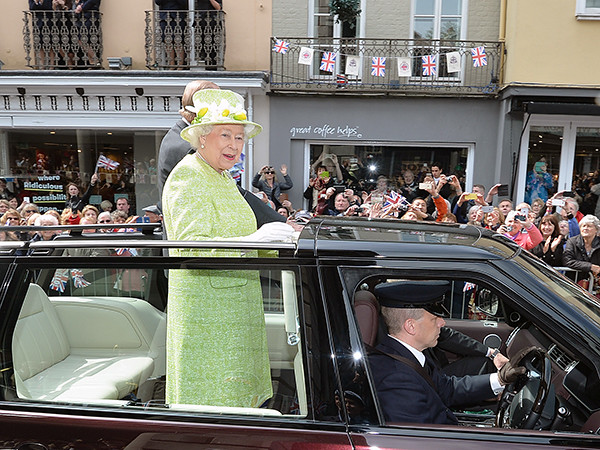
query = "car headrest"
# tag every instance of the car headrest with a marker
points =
(366, 310)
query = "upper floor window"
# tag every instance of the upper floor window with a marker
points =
(587, 10)
(438, 19)
(324, 25)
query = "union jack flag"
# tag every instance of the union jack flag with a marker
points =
(479, 56)
(378, 67)
(107, 163)
(281, 46)
(429, 65)
(78, 280)
(328, 61)
(59, 280)
(394, 199)
(127, 251)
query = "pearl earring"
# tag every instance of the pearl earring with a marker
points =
(201, 145)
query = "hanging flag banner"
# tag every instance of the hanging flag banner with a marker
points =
(281, 46)
(429, 65)
(378, 66)
(328, 62)
(453, 62)
(352, 65)
(306, 56)
(479, 56)
(404, 67)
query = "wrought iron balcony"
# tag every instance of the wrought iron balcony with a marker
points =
(62, 39)
(185, 39)
(404, 72)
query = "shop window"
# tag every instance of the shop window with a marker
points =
(543, 162)
(41, 164)
(362, 165)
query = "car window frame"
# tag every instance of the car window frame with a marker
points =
(26, 266)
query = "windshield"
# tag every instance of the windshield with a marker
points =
(561, 286)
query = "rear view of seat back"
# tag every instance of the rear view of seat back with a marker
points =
(366, 310)
(39, 341)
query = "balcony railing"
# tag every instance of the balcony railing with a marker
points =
(62, 40)
(185, 39)
(353, 71)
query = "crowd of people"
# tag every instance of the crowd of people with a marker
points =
(76, 211)
(553, 227)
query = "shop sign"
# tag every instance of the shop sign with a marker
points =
(326, 131)
(46, 191)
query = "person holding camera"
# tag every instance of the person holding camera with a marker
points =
(513, 229)
(266, 181)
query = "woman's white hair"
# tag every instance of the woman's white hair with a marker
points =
(590, 218)
(46, 220)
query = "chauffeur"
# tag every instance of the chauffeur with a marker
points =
(410, 388)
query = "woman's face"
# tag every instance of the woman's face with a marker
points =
(587, 229)
(547, 228)
(90, 214)
(73, 191)
(223, 146)
(493, 218)
(13, 202)
(563, 226)
(536, 206)
(269, 173)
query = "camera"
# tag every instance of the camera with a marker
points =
(451, 178)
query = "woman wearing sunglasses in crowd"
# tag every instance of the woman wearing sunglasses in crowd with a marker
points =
(266, 181)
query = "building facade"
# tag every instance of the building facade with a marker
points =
(394, 119)
(550, 99)
(67, 99)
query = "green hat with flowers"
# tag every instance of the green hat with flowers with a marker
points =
(218, 107)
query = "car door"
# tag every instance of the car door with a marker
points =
(67, 322)
(342, 283)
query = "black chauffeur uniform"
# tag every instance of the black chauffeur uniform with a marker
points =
(405, 394)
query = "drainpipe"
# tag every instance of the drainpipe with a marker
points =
(502, 37)
(249, 171)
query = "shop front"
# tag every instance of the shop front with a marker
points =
(373, 137)
(558, 144)
(54, 130)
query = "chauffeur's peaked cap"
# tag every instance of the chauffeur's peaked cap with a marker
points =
(427, 295)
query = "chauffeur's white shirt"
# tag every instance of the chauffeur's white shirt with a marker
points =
(494, 383)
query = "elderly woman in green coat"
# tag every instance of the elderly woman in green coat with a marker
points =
(216, 340)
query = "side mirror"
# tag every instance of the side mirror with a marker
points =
(487, 302)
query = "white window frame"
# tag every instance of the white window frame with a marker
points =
(570, 125)
(337, 34)
(582, 12)
(437, 17)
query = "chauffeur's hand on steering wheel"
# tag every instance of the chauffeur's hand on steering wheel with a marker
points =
(510, 372)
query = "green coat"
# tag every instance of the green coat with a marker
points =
(217, 350)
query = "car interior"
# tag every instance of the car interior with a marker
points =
(98, 337)
(562, 390)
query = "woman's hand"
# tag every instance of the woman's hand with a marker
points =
(556, 242)
(94, 179)
(283, 170)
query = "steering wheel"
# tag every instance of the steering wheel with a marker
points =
(523, 401)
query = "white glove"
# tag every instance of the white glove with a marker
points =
(272, 232)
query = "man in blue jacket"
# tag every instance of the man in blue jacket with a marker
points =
(410, 388)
